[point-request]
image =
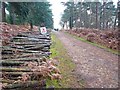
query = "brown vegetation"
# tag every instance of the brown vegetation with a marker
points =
(8, 31)
(108, 38)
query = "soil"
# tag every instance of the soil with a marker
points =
(96, 66)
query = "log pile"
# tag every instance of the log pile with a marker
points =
(108, 38)
(24, 63)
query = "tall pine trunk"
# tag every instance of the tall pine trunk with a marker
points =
(31, 25)
(11, 12)
(118, 6)
(115, 20)
(104, 22)
(3, 12)
(96, 15)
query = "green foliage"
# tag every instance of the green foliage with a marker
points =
(31, 12)
(90, 14)
(68, 13)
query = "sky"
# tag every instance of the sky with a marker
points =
(58, 8)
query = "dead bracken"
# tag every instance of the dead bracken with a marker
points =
(108, 38)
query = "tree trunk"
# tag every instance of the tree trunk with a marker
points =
(96, 15)
(115, 20)
(100, 21)
(107, 24)
(3, 12)
(90, 22)
(80, 11)
(118, 6)
(71, 17)
(31, 26)
(104, 3)
(70, 23)
(11, 14)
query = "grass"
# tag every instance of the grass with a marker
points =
(95, 44)
(65, 65)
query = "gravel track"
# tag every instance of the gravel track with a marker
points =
(97, 67)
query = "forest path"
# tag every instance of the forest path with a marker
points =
(96, 66)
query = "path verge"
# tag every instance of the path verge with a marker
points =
(65, 65)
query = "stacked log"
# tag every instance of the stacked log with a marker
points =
(25, 64)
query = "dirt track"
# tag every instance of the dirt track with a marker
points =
(96, 66)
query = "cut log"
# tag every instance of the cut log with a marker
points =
(22, 35)
(27, 84)
(16, 46)
(26, 43)
(24, 50)
(22, 59)
(7, 69)
(17, 37)
(30, 51)
(7, 56)
(38, 48)
(14, 74)
(28, 46)
(11, 63)
(26, 55)
(7, 52)
(45, 49)
(6, 48)
(39, 36)
(6, 81)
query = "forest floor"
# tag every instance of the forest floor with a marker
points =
(94, 65)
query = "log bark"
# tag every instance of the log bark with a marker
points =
(6, 81)
(7, 69)
(14, 74)
(25, 47)
(30, 43)
(28, 84)
(26, 55)
(22, 59)
(11, 63)
(7, 56)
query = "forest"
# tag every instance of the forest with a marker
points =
(82, 54)
(99, 15)
(33, 13)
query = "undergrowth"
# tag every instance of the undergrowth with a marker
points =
(65, 65)
(95, 44)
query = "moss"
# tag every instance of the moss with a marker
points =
(95, 44)
(65, 65)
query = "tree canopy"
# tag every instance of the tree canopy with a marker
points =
(100, 15)
(30, 12)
